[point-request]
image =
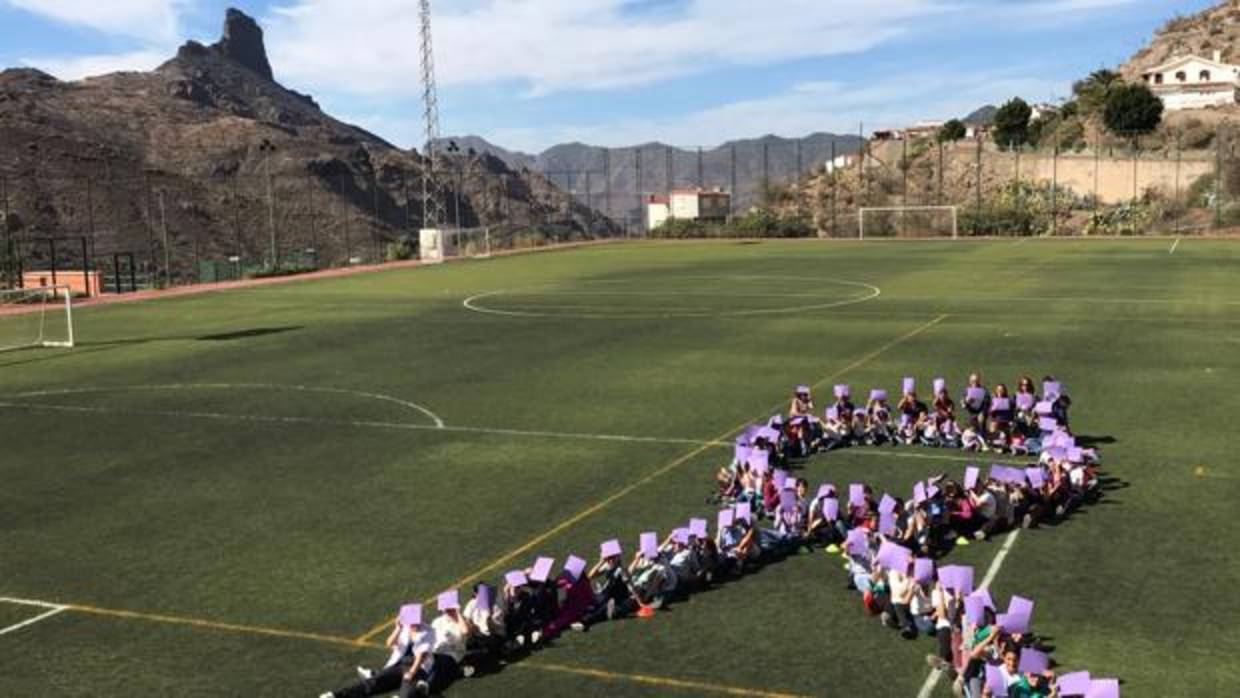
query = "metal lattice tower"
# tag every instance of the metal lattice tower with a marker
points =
(434, 210)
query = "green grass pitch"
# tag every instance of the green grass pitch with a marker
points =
(269, 459)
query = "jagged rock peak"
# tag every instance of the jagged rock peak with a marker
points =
(243, 43)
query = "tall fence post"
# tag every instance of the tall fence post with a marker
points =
(977, 215)
(1180, 207)
(1055, 187)
(1218, 178)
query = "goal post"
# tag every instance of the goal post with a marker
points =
(908, 222)
(36, 317)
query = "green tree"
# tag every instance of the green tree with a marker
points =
(1132, 110)
(1011, 126)
(1092, 92)
(952, 131)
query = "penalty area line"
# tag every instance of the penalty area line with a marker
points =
(661, 681)
(927, 688)
(31, 621)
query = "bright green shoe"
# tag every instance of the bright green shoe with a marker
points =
(962, 541)
(833, 549)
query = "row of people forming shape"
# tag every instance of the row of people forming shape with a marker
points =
(990, 418)
(532, 606)
(985, 652)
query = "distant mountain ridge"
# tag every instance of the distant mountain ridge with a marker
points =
(780, 160)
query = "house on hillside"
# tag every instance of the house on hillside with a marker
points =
(691, 203)
(841, 162)
(1193, 82)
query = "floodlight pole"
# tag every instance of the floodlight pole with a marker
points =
(267, 149)
(433, 208)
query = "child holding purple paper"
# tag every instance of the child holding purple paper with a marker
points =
(411, 643)
(1020, 684)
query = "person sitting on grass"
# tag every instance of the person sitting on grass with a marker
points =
(860, 425)
(735, 541)
(486, 622)
(613, 596)
(409, 662)
(802, 403)
(575, 598)
(1026, 398)
(835, 429)
(913, 415)
(1021, 684)
(652, 580)
(946, 610)
(520, 608)
(979, 644)
(976, 401)
(451, 632)
(878, 428)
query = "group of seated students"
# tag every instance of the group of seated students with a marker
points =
(989, 419)
(888, 545)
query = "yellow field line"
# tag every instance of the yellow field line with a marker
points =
(671, 465)
(699, 686)
(214, 625)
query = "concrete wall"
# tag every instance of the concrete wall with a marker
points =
(1115, 175)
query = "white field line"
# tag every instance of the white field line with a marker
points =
(54, 609)
(927, 688)
(1056, 299)
(1173, 246)
(499, 431)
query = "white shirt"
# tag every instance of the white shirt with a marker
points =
(899, 586)
(408, 643)
(449, 638)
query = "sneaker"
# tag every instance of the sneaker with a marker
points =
(468, 671)
(422, 688)
(329, 694)
(611, 609)
(520, 641)
(1027, 522)
(936, 662)
(980, 535)
(885, 618)
(962, 541)
(958, 687)
(578, 627)
(365, 673)
(535, 637)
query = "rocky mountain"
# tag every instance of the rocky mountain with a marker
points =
(608, 178)
(1214, 29)
(208, 157)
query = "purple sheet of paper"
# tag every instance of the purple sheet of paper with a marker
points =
(680, 536)
(574, 566)
(841, 390)
(877, 394)
(1024, 401)
(1074, 684)
(1103, 688)
(984, 595)
(1043, 408)
(894, 557)
(1020, 606)
(610, 548)
(787, 500)
(856, 543)
(482, 598)
(516, 578)
(995, 681)
(1013, 624)
(726, 519)
(449, 600)
(947, 576)
(776, 421)
(931, 490)
(886, 504)
(1047, 425)
(1075, 455)
(856, 494)
(1035, 477)
(940, 384)
(802, 390)
(831, 509)
(909, 384)
(957, 578)
(542, 569)
(744, 512)
(779, 477)
(697, 528)
(919, 493)
(975, 395)
(1033, 662)
(887, 523)
(410, 614)
(1050, 389)
(832, 413)
(740, 454)
(1000, 404)
(760, 460)
(824, 490)
(974, 609)
(649, 545)
(770, 434)
(923, 570)
(970, 477)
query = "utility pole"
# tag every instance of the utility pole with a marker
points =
(163, 224)
(267, 148)
(701, 178)
(641, 200)
(433, 207)
(607, 181)
(732, 198)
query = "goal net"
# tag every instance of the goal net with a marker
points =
(36, 317)
(439, 245)
(907, 222)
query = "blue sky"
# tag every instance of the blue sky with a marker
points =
(527, 74)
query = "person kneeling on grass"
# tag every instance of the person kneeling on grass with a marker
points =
(408, 665)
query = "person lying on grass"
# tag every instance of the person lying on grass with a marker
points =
(409, 662)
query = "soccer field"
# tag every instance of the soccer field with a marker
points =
(224, 494)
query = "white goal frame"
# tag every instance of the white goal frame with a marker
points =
(955, 211)
(50, 296)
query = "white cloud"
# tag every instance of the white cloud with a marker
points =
(77, 67)
(148, 19)
(556, 45)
